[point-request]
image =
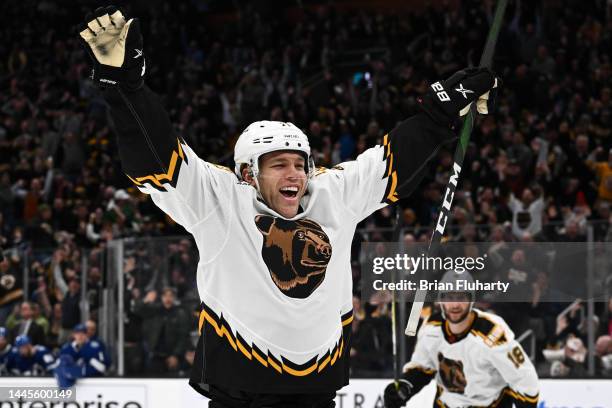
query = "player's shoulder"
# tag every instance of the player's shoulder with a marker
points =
(40, 349)
(322, 175)
(93, 344)
(67, 348)
(432, 326)
(491, 329)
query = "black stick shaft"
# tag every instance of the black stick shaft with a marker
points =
(485, 61)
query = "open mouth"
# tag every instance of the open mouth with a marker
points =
(289, 192)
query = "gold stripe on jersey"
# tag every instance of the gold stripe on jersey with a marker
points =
(240, 343)
(390, 193)
(274, 364)
(298, 371)
(258, 357)
(324, 362)
(522, 397)
(171, 175)
(253, 353)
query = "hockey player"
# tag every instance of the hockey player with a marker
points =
(472, 355)
(26, 359)
(80, 358)
(274, 236)
(5, 348)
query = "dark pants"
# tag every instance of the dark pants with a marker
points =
(221, 398)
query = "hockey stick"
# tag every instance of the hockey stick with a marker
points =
(436, 236)
(394, 330)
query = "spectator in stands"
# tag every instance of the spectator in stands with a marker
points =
(603, 170)
(603, 353)
(92, 330)
(373, 347)
(40, 319)
(27, 325)
(166, 330)
(134, 345)
(527, 213)
(5, 348)
(71, 308)
(10, 286)
(55, 326)
(27, 359)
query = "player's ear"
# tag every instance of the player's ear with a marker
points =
(264, 223)
(247, 175)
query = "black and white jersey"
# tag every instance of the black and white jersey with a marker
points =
(483, 367)
(276, 293)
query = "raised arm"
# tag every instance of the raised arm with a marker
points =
(159, 162)
(385, 174)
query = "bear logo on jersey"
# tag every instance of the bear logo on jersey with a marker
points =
(296, 253)
(452, 375)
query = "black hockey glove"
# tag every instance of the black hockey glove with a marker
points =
(397, 396)
(448, 100)
(115, 47)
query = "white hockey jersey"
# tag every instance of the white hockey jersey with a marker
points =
(485, 367)
(278, 291)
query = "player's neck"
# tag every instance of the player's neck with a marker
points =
(465, 324)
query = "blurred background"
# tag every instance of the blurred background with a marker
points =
(81, 245)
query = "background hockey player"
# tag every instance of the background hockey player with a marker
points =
(27, 359)
(274, 236)
(80, 358)
(472, 355)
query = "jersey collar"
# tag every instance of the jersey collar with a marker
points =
(452, 338)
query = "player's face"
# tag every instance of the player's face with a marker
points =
(25, 351)
(80, 338)
(456, 307)
(282, 181)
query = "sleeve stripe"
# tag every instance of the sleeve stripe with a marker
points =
(521, 397)
(97, 365)
(170, 175)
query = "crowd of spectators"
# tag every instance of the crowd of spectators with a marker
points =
(539, 169)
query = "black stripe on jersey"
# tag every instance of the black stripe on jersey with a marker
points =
(347, 318)
(259, 355)
(274, 363)
(407, 149)
(243, 347)
(323, 361)
(253, 353)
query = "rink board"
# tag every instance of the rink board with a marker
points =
(162, 393)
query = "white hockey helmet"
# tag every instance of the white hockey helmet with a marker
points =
(452, 277)
(267, 136)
